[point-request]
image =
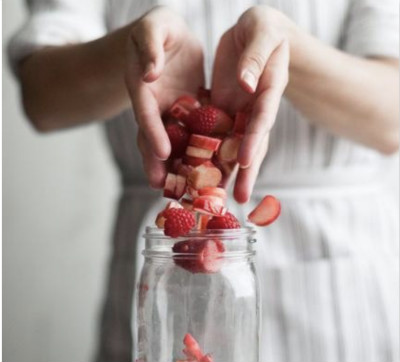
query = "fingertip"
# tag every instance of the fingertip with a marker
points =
(241, 196)
(248, 81)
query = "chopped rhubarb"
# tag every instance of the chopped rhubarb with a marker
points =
(229, 149)
(205, 175)
(266, 212)
(169, 186)
(194, 161)
(199, 152)
(183, 106)
(207, 206)
(207, 143)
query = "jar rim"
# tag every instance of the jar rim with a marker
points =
(153, 232)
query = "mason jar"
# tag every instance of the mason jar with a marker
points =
(204, 287)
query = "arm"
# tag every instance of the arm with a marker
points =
(75, 84)
(352, 97)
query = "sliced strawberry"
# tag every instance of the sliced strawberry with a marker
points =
(169, 186)
(194, 161)
(180, 187)
(213, 191)
(204, 96)
(187, 204)
(212, 198)
(179, 138)
(207, 259)
(207, 143)
(199, 152)
(207, 120)
(205, 175)
(228, 221)
(183, 106)
(206, 206)
(240, 124)
(266, 212)
(229, 149)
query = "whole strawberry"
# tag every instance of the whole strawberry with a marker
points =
(228, 221)
(208, 120)
(178, 222)
(179, 138)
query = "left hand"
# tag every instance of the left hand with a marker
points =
(251, 72)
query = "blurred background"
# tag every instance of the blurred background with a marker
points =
(59, 194)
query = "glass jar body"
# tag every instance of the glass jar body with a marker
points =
(218, 307)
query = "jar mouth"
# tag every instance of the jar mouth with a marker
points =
(157, 233)
(238, 243)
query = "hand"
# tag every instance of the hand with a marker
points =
(164, 61)
(250, 74)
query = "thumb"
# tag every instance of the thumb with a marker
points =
(148, 40)
(253, 60)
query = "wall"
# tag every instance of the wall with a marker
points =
(58, 205)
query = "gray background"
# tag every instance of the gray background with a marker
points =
(58, 209)
(59, 195)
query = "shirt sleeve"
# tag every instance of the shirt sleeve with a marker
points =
(373, 28)
(55, 23)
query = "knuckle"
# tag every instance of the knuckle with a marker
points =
(257, 61)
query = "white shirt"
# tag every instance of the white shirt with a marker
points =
(327, 266)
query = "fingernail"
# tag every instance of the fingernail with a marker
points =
(250, 80)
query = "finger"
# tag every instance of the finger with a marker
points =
(153, 167)
(147, 115)
(246, 177)
(266, 106)
(148, 40)
(254, 60)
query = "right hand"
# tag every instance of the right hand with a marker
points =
(165, 60)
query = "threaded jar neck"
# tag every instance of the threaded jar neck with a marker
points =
(238, 243)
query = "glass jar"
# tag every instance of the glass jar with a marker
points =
(201, 288)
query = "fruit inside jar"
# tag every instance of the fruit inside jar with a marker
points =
(199, 305)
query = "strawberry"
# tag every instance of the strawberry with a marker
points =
(266, 212)
(160, 220)
(178, 222)
(183, 106)
(207, 120)
(203, 221)
(205, 256)
(228, 221)
(207, 358)
(179, 138)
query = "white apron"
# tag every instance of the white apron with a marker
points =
(329, 266)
